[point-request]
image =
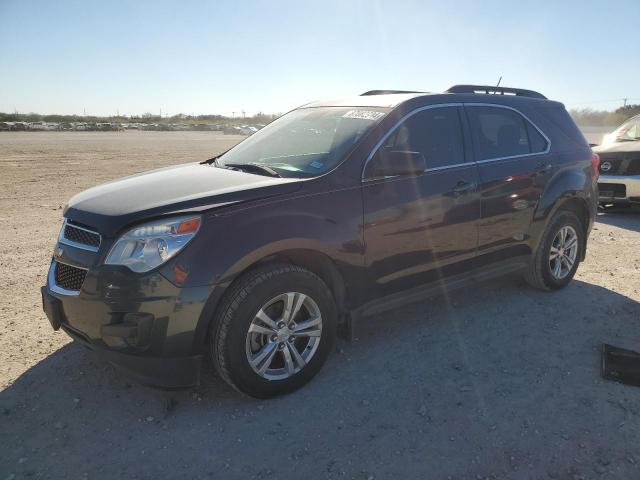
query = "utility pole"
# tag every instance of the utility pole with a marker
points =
(625, 102)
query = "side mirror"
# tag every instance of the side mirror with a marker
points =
(389, 163)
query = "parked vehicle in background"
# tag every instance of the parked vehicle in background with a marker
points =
(619, 182)
(38, 126)
(335, 211)
(245, 130)
(628, 131)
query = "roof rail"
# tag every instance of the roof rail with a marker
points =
(386, 92)
(489, 90)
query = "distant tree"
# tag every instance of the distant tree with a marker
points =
(259, 118)
(629, 111)
(602, 118)
(33, 117)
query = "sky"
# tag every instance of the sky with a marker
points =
(197, 57)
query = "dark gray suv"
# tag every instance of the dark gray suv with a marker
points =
(334, 211)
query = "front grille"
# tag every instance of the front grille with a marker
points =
(612, 190)
(633, 167)
(81, 235)
(610, 166)
(68, 277)
(620, 164)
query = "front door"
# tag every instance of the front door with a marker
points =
(420, 228)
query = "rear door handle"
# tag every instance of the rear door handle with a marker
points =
(463, 187)
(543, 169)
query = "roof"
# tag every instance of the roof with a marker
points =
(388, 100)
(470, 93)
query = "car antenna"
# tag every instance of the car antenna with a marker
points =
(499, 80)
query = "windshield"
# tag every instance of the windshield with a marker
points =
(306, 142)
(628, 131)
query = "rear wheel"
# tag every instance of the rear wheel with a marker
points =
(274, 331)
(555, 262)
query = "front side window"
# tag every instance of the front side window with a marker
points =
(434, 132)
(501, 132)
(306, 142)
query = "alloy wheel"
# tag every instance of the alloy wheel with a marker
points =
(284, 336)
(563, 252)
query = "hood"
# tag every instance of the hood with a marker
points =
(618, 147)
(191, 187)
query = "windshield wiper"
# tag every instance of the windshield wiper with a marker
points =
(254, 168)
(214, 160)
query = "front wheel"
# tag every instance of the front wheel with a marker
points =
(274, 331)
(555, 262)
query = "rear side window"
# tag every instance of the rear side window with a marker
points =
(435, 132)
(537, 142)
(501, 132)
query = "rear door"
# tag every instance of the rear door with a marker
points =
(418, 228)
(514, 166)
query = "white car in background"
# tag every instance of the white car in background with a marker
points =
(619, 181)
(628, 131)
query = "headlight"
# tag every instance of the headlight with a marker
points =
(151, 244)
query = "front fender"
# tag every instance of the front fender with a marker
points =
(229, 244)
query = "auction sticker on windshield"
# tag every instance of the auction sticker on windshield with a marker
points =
(363, 114)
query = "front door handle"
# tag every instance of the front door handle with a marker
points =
(463, 187)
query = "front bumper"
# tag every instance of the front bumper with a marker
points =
(141, 323)
(619, 188)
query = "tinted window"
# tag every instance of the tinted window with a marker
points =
(537, 142)
(498, 132)
(435, 132)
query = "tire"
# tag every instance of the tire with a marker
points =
(265, 291)
(542, 272)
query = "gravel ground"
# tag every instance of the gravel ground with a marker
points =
(498, 381)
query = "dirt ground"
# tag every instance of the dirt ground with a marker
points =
(499, 381)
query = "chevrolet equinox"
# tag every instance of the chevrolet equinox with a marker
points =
(337, 210)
